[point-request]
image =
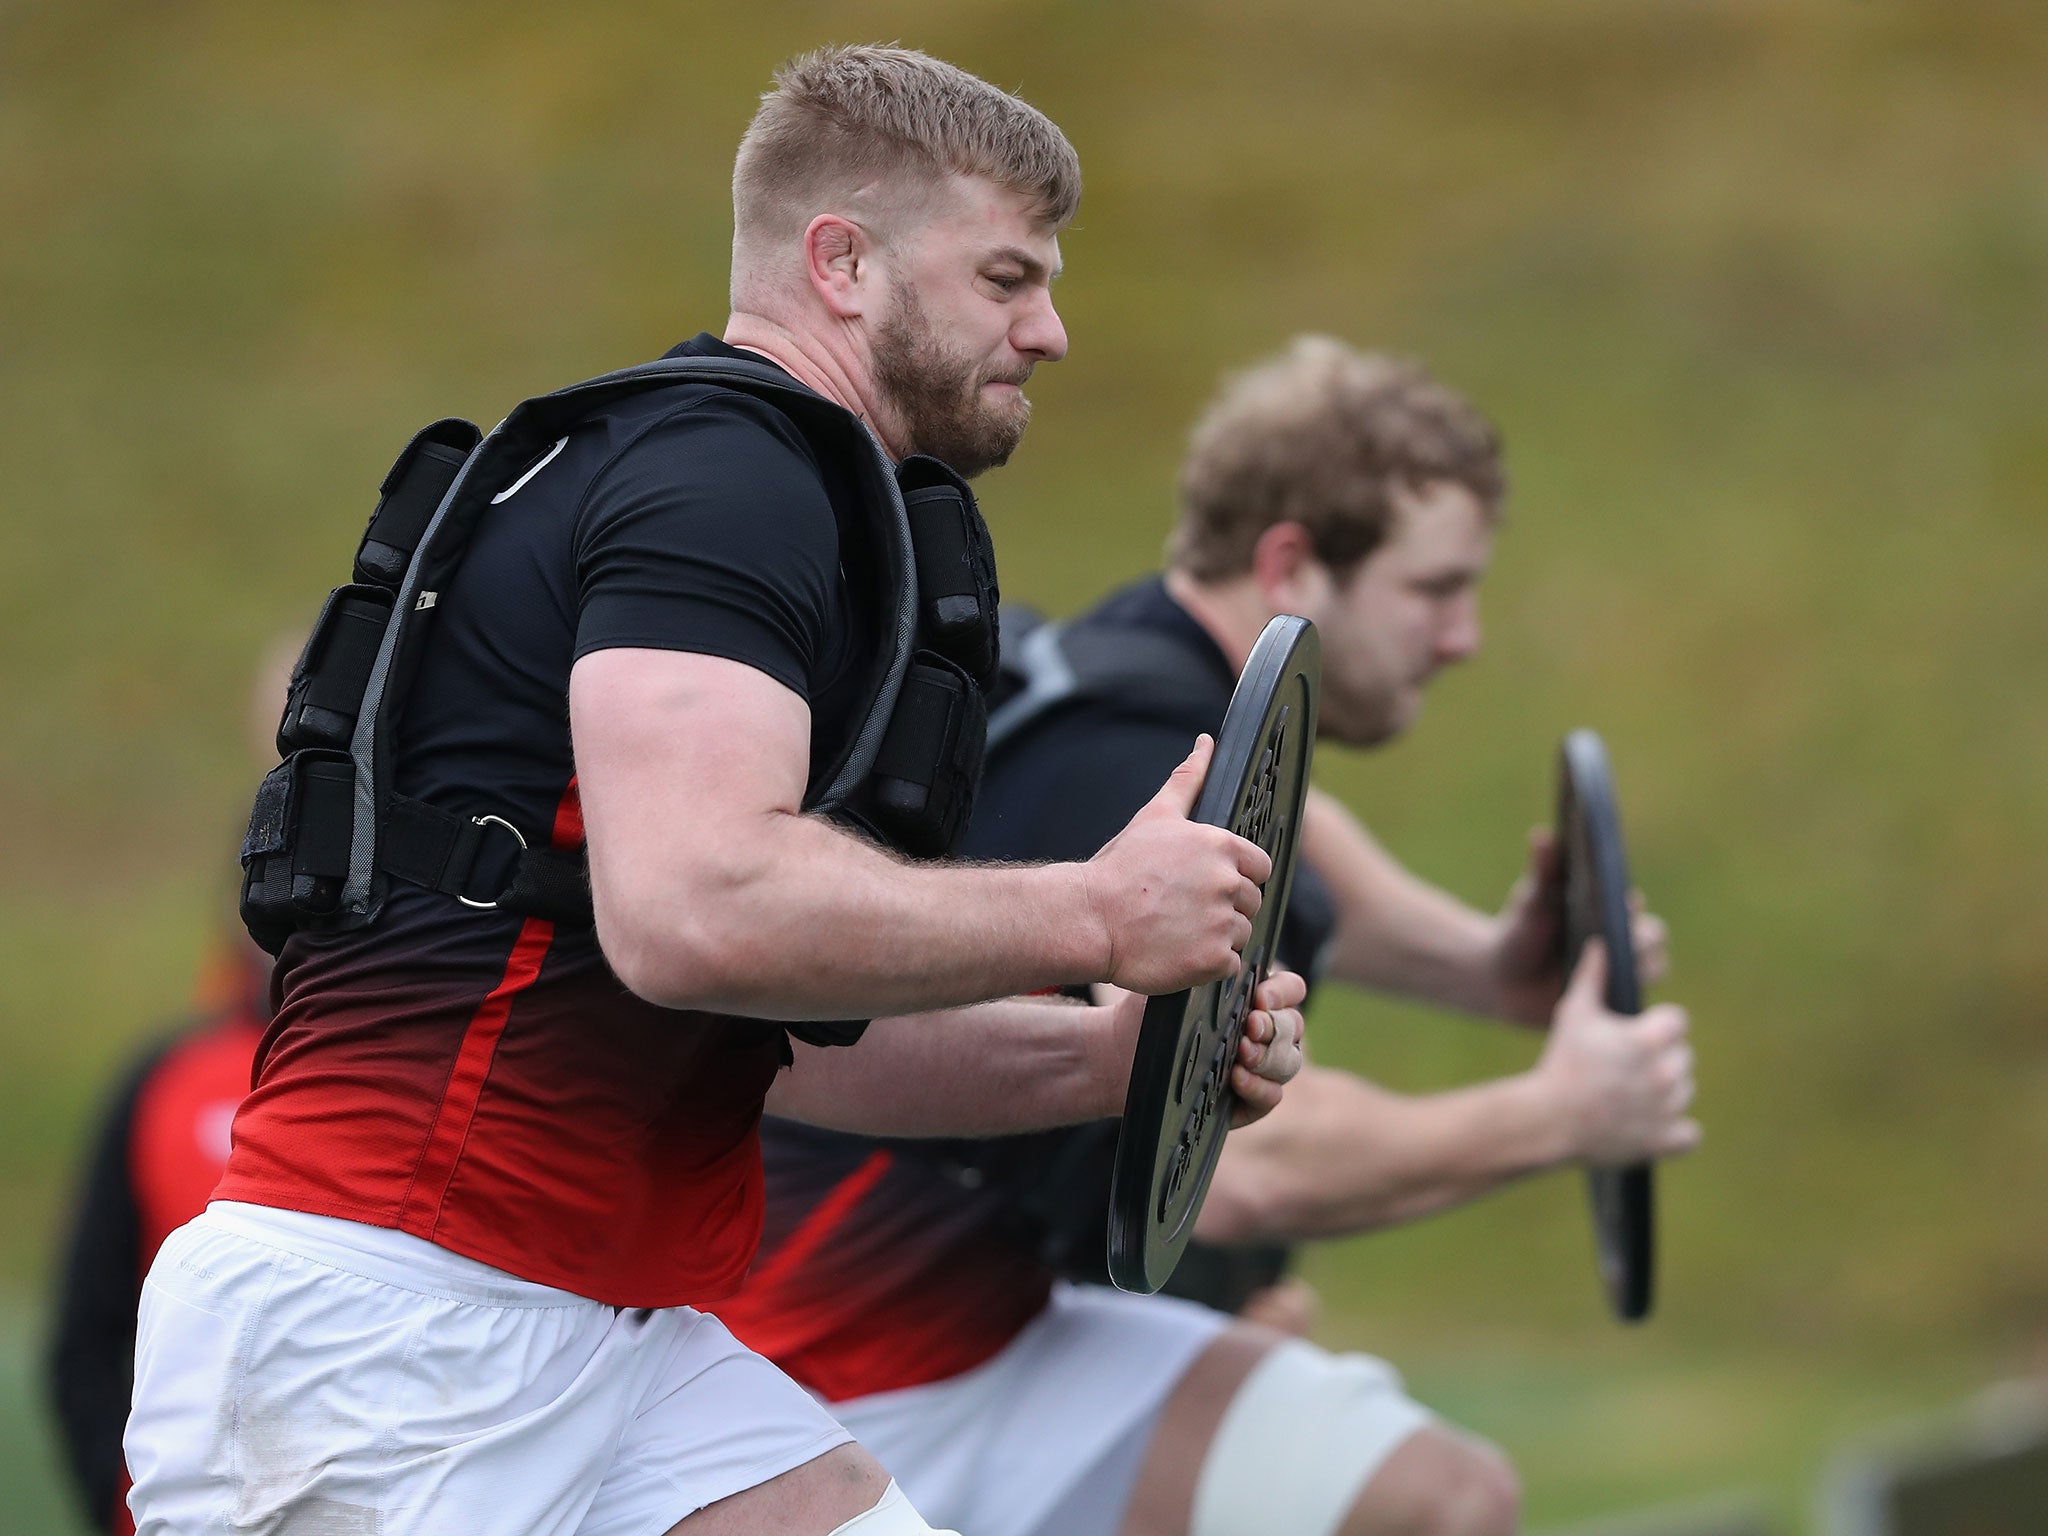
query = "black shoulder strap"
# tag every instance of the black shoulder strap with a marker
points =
(1052, 667)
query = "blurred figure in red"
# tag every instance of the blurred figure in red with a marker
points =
(158, 1150)
(161, 1145)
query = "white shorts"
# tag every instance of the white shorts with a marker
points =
(302, 1373)
(1047, 1438)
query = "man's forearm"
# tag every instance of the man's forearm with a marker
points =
(714, 891)
(1395, 931)
(809, 921)
(1022, 1064)
(1342, 1156)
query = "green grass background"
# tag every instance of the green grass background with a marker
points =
(1757, 288)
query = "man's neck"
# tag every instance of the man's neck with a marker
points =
(1232, 613)
(816, 364)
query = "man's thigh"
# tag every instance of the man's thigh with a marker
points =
(284, 1383)
(1265, 1432)
(1046, 1436)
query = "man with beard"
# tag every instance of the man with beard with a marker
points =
(917, 1289)
(491, 1164)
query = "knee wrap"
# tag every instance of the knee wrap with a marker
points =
(1299, 1441)
(891, 1516)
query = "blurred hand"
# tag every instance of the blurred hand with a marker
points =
(1621, 1085)
(1287, 1306)
(1270, 1054)
(1175, 897)
(1527, 951)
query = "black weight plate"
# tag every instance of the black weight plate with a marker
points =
(1179, 1102)
(1596, 887)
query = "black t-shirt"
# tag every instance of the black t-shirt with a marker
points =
(485, 1081)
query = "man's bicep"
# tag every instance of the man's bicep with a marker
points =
(678, 755)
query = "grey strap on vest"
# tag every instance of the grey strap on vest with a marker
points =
(1054, 666)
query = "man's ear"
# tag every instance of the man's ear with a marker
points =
(1289, 576)
(839, 261)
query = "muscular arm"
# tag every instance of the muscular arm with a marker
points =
(1055, 1062)
(1343, 1155)
(714, 891)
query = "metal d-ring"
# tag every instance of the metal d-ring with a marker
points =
(517, 837)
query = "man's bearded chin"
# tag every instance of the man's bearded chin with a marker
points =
(1365, 721)
(938, 395)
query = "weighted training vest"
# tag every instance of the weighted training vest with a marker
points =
(328, 833)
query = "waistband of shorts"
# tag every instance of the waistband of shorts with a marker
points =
(383, 1254)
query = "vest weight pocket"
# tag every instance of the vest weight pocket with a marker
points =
(296, 854)
(424, 471)
(929, 765)
(333, 672)
(956, 566)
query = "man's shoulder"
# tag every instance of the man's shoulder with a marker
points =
(697, 446)
(710, 386)
(712, 417)
(1151, 654)
(1119, 707)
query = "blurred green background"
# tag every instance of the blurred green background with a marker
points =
(1757, 288)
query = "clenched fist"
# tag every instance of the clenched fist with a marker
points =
(1524, 959)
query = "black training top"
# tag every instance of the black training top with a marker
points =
(486, 1082)
(884, 1266)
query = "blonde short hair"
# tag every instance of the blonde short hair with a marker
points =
(1323, 435)
(844, 118)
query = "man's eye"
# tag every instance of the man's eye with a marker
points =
(1006, 283)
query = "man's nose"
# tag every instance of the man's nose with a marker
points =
(1041, 334)
(1459, 639)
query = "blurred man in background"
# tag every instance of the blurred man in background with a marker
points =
(916, 1288)
(156, 1153)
